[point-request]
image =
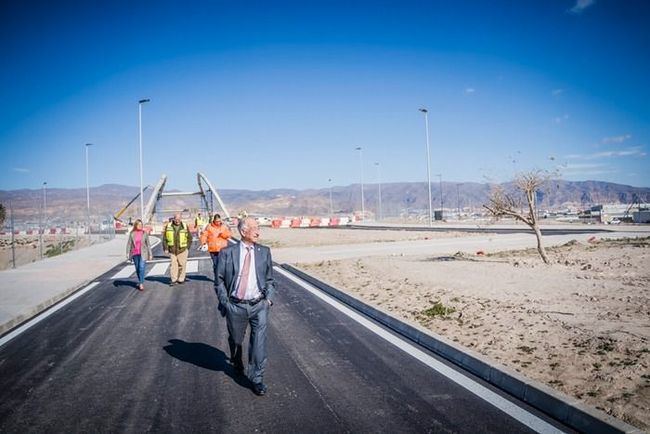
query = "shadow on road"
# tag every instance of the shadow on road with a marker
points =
(130, 283)
(161, 279)
(205, 356)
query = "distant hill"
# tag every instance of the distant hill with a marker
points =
(70, 204)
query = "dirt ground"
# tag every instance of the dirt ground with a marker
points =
(321, 237)
(28, 250)
(580, 325)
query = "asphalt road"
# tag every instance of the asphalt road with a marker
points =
(119, 360)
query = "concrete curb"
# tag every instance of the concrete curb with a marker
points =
(19, 320)
(563, 408)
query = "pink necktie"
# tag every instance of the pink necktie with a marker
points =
(243, 282)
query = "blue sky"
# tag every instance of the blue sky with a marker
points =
(262, 95)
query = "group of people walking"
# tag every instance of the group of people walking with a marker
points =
(243, 281)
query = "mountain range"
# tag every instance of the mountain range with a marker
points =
(65, 205)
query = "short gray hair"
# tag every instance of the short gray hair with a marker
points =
(243, 223)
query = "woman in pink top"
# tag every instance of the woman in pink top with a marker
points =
(139, 249)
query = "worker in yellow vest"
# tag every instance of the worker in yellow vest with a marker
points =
(177, 240)
(199, 224)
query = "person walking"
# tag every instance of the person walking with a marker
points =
(138, 249)
(215, 237)
(245, 287)
(199, 224)
(177, 242)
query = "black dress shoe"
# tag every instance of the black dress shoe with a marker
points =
(260, 389)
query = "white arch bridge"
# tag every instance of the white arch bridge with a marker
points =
(207, 193)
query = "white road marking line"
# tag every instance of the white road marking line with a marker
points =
(125, 272)
(530, 420)
(42, 316)
(192, 267)
(159, 269)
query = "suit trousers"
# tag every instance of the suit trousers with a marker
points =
(238, 317)
(178, 266)
(215, 262)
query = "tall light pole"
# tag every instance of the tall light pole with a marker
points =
(379, 213)
(458, 198)
(45, 202)
(87, 189)
(140, 103)
(363, 206)
(426, 125)
(439, 175)
(331, 203)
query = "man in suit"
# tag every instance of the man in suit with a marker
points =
(245, 287)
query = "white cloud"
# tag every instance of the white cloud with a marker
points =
(580, 169)
(21, 170)
(560, 119)
(635, 151)
(581, 5)
(617, 139)
(469, 90)
(557, 92)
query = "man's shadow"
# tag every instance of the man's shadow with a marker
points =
(206, 357)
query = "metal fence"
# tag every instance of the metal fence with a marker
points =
(23, 242)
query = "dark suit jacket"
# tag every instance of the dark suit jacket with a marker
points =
(228, 269)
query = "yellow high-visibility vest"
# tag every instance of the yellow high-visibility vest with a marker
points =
(182, 235)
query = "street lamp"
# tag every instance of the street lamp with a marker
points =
(331, 205)
(45, 202)
(426, 124)
(439, 175)
(363, 206)
(140, 103)
(87, 189)
(379, 213)
(458, 198)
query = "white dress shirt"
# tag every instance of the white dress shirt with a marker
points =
(252, 289)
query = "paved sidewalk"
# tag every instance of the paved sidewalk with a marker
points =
(32, 288)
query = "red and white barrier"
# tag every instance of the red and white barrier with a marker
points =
(310, 222)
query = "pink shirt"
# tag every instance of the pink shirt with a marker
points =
(137, 243)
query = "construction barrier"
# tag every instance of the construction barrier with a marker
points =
(309, 222)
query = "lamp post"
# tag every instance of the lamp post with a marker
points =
(331, 204)
(458, 198)
(379, 211)
(87, 189)
(426, 125)
(45, 202)
(140, 103)
(439, 175)
(363, 206)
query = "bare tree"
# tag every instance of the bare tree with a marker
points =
(3, 215)
(505, 204)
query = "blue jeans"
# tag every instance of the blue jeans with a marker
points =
(139, 267)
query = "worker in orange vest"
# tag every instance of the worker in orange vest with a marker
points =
(215, 236)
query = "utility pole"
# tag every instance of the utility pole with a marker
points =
(426, 124)
(13, 236)
(363, 206)
(142, 101)
(458, 198)
(441, 202)
(331, 203)
(379, 210)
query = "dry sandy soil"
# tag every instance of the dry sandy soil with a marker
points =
(580, 325)
(27, 248)
(321, 237)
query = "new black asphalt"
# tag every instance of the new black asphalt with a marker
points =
(118, 360)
